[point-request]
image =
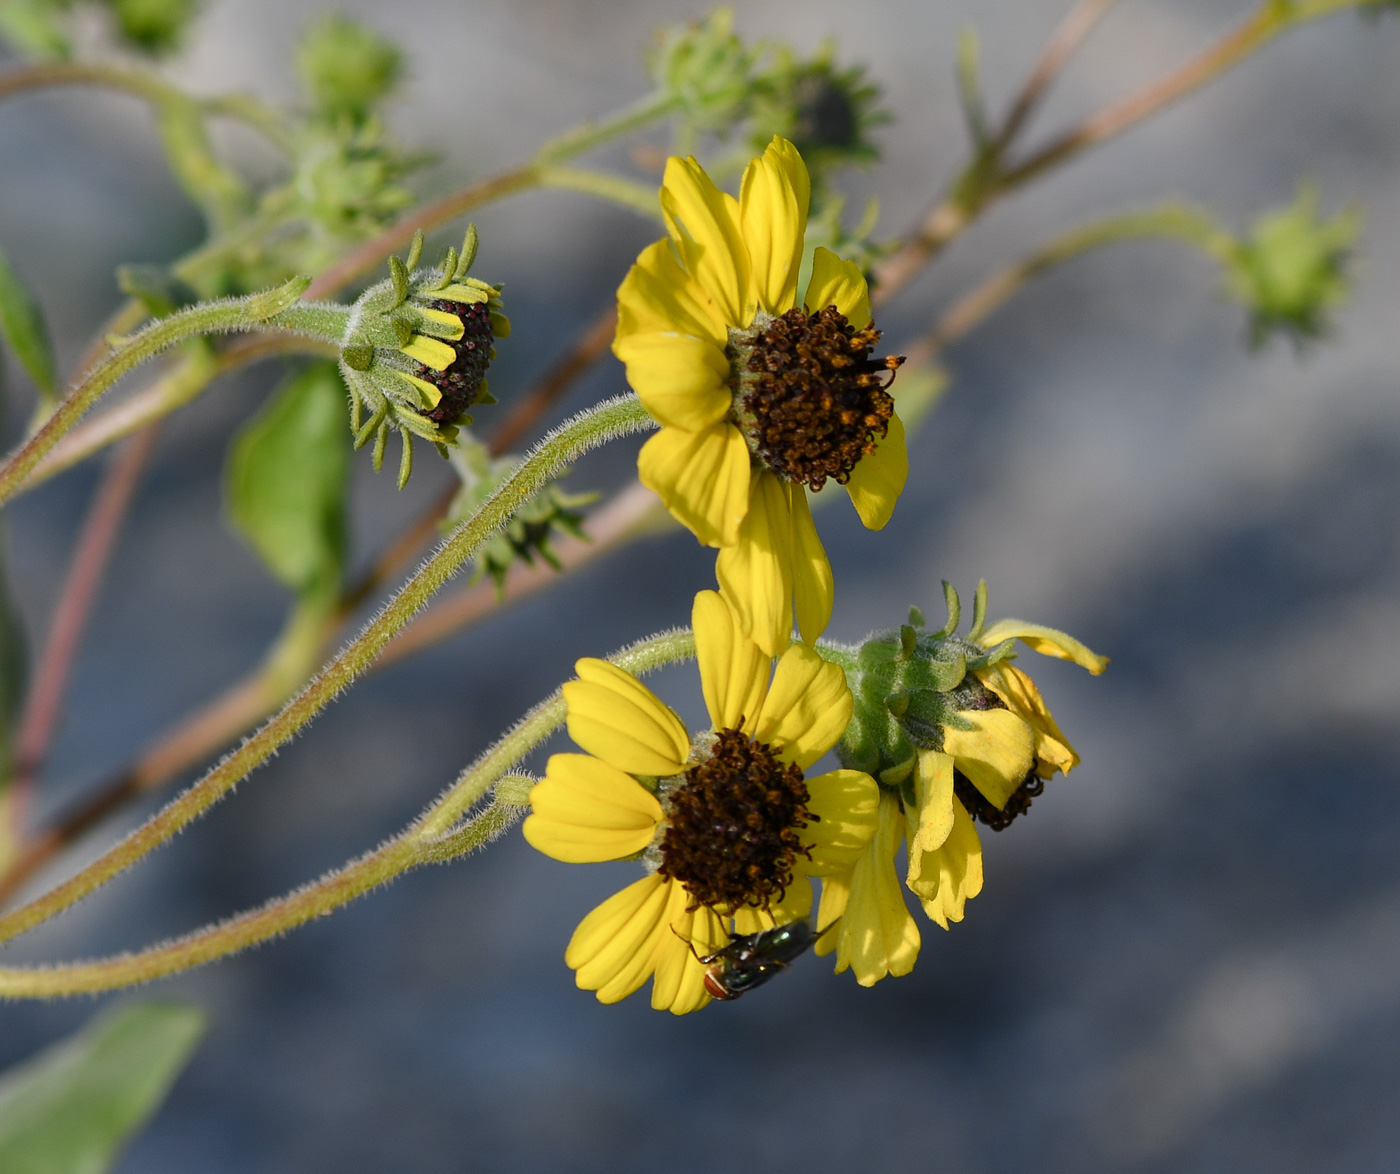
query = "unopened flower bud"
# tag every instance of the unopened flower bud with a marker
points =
(347, 68)
(416, 351)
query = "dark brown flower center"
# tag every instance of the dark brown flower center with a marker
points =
(981, 809)
(731, 827)
(460, 381)
(809, 397)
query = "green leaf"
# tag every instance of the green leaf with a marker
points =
(23, 328)
(285, 480)
(70, 1109)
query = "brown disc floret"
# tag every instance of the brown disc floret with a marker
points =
(731, 826)
(809, 396)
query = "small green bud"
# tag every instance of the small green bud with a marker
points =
(1291, 271)
(154, 26)
(707, 69)
(347, 68)
(415, 355)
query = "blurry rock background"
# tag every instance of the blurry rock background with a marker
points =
(1186, 958)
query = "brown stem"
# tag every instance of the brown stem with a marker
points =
(372, 253)
(90, 556)
(1078, 23)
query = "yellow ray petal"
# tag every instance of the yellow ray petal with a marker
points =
(838, 283)
(585, 811)
(658, 295)
(877, 935)
(680, 380)
(617, 940)
(773, 223)
(931, 822)
(704, 223)
(617, 718)
(703, 477)
(959, 870)
(679, 985)
(807, 708)
(1046, 641)
(733, 669)
(794, 905)
(847, 803)
(1052, 749)
(755, 573)
(878, 478)
(996, 755)
(812, 585)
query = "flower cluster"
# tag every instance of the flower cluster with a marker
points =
(756, 356)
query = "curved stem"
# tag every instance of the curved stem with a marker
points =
(1173, 221)
(972, 193)
(610, 419)
(265, 310)
(432, 838)
(615, 189)
(242, 107)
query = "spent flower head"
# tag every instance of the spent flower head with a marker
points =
(707, 70)
(1291, 271)
(957, 735)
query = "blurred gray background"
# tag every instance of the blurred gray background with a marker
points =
(1186, 958)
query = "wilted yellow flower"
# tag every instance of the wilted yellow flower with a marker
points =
(726, 825)
(761, 396)
(956, 735)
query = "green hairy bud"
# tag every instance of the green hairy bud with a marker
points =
(1291, 271)
(347, 68)
(707, 68)
(155, 26)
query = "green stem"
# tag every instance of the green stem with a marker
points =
(634, 196)
(262, 311)
(242, 107)
(431, 839)
(1174, 221)
(608, 420)
(589, 135)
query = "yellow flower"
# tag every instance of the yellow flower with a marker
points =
(760, 395)
(727, 825)
(962, 749)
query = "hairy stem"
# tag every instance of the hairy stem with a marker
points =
(610, 419)
(432, 838)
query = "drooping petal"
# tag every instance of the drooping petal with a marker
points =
(584, 811)
(931, 821)
(614, 716)
(773, 220)
(613, 948)
(733, 669)
(877, 936)
(812, 585)
(680, 380)
(658, 295)
(794, 905)
(1046, 641)
(704, 223)
(996, 754)
(1052, 749)
(847, 804)
(959, 870)
(703, 477)
(755, 573)
(679, 984)
(838, 283)
(807, 708)
(878, 478)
